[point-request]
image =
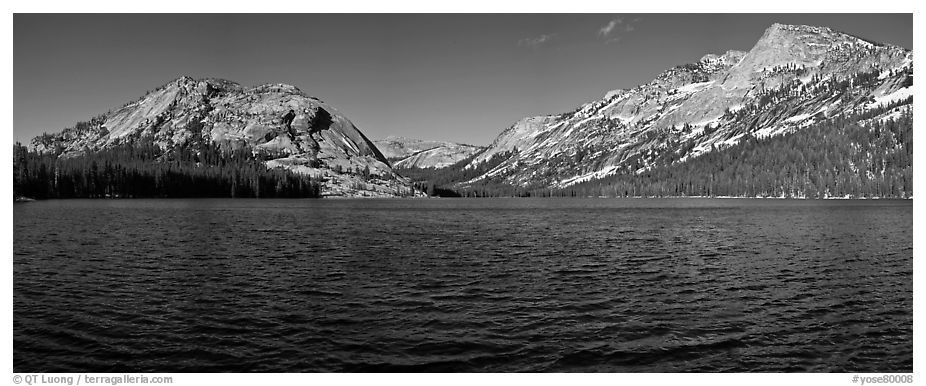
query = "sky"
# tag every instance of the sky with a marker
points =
(455, 77)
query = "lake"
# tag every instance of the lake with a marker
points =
(500, 285)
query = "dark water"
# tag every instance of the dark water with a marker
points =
(463, 285)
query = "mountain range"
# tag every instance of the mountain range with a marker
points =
(813, 83)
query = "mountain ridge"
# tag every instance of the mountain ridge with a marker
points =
(406, 152)
(793, 76)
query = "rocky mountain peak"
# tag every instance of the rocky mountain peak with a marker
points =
(183, 79)
(802, 34)
(803, 45)
(185, 112)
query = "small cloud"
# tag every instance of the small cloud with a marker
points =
(608, 28)
(613, 31)
(537, 41)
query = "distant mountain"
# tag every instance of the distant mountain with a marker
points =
(199, 115)
(408, 153)
(795, 77)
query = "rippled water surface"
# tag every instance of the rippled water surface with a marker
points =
(463, 285)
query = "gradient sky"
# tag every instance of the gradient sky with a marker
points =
(462, 78)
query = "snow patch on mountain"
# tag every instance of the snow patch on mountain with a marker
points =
(896, 95)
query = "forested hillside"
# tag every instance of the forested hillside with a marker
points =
(834, 158)
(142, 169)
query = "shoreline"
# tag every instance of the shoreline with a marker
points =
(336, 197)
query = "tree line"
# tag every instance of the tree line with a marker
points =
(143, 169)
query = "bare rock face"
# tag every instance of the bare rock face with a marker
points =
(793, 76)
(415, 153)
(320, 141)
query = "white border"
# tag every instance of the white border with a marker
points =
(472, 6)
